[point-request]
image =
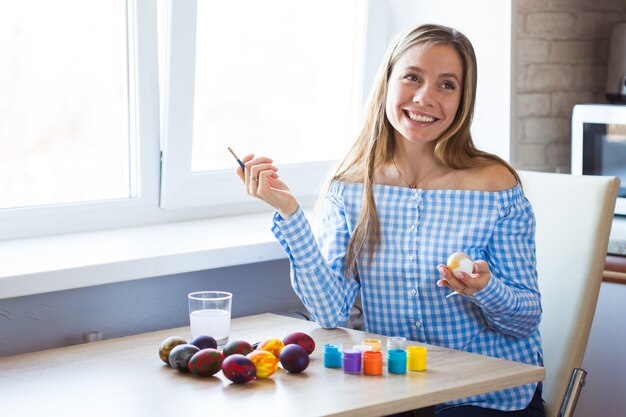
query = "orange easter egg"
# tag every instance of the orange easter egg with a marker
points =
(266, 363)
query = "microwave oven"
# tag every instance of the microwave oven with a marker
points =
(599, 144)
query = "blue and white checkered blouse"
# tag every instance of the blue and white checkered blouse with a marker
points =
(419, 230)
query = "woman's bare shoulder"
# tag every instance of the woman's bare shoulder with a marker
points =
(493, 178)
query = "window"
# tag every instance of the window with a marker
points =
(286, 87)
(278, 78)
(79, 108)
(82, 147)
(64, 136)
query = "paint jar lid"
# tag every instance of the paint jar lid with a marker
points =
(362, 348)
(396, 342)
(374, 343)
(352, 354)
(396, 353)
(332, 347)
(375, 355)
(416, 350)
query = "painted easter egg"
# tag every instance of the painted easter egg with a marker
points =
(460, 262)
(237, 346)
(302, 339)
(266, 363)
(274, 346)
(294, 358)
(238, 368)
(167, 345)
(204, 341)
(206, 362)
(179, 356)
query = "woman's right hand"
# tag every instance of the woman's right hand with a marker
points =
(261, 180)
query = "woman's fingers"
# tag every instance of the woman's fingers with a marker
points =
(264, 186)
(262, 181)
(250, 174)
(258, 176)
(256, 161)
(256, 170)
(462, 282)
(455, 281)
(481, 268)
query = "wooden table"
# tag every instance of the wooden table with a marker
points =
(125, 377)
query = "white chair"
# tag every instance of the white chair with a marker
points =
(574, 215)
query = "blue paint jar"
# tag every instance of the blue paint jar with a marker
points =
(332, 355)
(396, 361)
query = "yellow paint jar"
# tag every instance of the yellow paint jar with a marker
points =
(416, 358)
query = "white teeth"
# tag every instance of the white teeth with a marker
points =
(420, 118)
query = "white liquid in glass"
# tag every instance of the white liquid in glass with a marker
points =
(215, 323)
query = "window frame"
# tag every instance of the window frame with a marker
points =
(143, 116)
(167, 189)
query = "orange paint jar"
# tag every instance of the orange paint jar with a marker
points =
(373, 362)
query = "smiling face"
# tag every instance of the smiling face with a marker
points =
(424, 92)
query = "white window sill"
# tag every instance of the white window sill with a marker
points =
(40, 265)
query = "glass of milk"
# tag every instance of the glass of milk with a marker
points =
(209, 314)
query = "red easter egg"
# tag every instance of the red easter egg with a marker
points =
(206, 362)
(238, 368)
(301, 339)
(237, 346)
(294, 358)
(204, 341)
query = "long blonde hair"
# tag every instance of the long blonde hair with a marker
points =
(375, 143)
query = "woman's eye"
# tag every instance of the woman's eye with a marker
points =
(448, 85)
(411, 77)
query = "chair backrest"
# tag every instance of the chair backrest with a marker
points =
(574, 216)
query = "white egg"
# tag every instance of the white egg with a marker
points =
(460, 262)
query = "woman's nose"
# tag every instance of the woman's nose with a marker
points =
(423, 96)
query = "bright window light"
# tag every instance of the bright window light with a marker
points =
(276, 77)
(64, 135)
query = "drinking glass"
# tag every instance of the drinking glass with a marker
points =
(209, 314)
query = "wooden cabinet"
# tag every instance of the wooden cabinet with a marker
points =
(615, 269)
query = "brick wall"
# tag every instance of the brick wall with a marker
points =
(562, 48)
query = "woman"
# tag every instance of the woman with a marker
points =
(412, 190)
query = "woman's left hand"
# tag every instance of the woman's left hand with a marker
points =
(462, 282)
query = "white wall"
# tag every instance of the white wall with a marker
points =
(488, 25)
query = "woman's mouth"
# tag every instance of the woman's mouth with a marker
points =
(421, 118)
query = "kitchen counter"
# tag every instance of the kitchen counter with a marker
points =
(617, 240)
(615, 266)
